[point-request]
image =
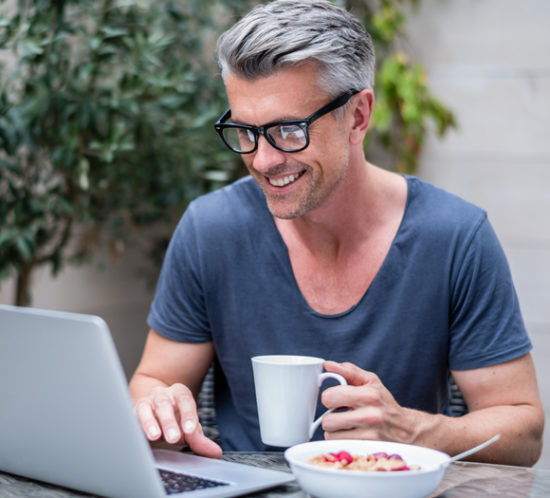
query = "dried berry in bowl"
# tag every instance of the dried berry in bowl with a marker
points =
(373, 462)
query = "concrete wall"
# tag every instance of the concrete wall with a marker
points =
(114, 289)
(488, 60)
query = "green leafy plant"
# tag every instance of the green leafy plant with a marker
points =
(106, 113)
(105, 125)
(404, 106)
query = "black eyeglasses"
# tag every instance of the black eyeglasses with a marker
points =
(287, 136)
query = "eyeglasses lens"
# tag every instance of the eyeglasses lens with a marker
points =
(239, 139)
(285, 136)
(288, 136)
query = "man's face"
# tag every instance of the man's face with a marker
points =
(298, 182)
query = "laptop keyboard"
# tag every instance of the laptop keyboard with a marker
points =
(175, 482)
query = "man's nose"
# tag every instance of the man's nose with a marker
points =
(266, 156)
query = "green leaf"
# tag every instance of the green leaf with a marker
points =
(24, 248)
(109, 32)
(30, 48)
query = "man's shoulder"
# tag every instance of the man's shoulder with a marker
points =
(242, 198)
(435, 204)
(241, 189)
(438, 218)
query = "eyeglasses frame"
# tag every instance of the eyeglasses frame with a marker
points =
(304, 124)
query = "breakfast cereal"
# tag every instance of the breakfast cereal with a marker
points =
(378, 462)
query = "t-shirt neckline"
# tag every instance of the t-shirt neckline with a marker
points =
(286, 265)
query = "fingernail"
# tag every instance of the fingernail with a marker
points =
(172, 434)
(189, 426)
(154, 432)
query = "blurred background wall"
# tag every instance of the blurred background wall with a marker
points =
(488, 61)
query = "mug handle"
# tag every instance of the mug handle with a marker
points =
(322, 378)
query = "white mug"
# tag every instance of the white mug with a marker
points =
(287, 388)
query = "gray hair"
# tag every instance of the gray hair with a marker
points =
(287, 32)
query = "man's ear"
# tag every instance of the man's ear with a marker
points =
(362, 112)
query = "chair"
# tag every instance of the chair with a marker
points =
(456, 401)
(206, 408)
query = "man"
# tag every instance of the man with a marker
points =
(321, 253)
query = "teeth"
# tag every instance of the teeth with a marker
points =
(281, 182)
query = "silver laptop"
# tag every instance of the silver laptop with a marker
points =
(66, 417)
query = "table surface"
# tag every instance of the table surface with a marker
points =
(461, 479)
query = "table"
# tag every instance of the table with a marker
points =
(461, 480)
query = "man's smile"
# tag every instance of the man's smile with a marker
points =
(284, 180)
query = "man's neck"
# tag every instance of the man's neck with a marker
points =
(364, 200)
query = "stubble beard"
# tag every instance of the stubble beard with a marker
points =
(316, 193)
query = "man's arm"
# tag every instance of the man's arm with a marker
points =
(502, 399)
(164, 388)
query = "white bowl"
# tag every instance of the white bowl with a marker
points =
(323, 482)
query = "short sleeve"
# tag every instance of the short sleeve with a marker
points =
(178, 311)
(486, 326)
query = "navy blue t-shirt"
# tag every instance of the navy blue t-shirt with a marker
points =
(442, 299)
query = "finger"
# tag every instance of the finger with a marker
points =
(187, 408)
(202, 445)
(165, 414)
(338, 421)
(147, 420)
(364, 418)
(352, 396)
(352, 373)
(355, 433)
(365, 423)
(189, 422)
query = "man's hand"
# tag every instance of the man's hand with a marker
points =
(502, 399)
(170, 413)
(162, 388)
(372, 412)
